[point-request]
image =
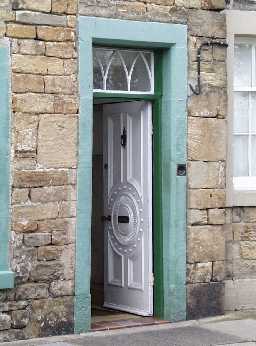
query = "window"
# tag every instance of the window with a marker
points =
(123, 70)
(241, 66)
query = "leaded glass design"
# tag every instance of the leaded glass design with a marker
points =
(123, 70)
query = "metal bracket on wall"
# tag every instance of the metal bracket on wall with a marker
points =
(198, 88)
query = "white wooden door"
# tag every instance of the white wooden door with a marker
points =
(128, 282)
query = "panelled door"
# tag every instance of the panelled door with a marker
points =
(128, 282)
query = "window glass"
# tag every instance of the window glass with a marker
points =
(123, 70)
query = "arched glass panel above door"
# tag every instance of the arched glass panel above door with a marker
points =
(123, 70)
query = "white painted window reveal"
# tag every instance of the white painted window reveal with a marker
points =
(123, 70)
(244, 117)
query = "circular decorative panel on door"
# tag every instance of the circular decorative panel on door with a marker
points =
(125, 207)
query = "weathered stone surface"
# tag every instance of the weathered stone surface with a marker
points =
(60, 238)
(25, 133)
(56, 225)
(32, 291)
(51, 194)
(56, 316)
(23, 258)
(206, 198)
(47, 271)
(33, 103)
(37, 239)
(28, 47)
(49, 253)
(206, 139)
(36, 64)
(23, 83)
(218, 271)
(213, 24)
(240, 294)
(216, 216)
(13, 305)
(60, 84)
(205, 299)
(20, 196)
(35, 212)
(61, 50)
(57, 141)
(249, 214)
(206, 175)
(199, 272)
(37, 18)
(40, 6)
(62, 288)
(5, 322)
(197, 217)
(212, 104)
(213, 4)
(20, 31)
(20, 318)
(48, 33)
(67, 209)
(248, 249)
(40, 178)
(205, 244)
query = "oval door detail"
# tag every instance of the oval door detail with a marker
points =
(125, 208)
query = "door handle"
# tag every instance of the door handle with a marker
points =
(123, 219)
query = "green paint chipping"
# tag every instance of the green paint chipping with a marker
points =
(6, 276)
(169, 150)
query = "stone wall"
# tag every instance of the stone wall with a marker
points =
(42, 35)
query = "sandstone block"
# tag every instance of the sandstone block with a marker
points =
(249, 214)
(33, 103)
(248, 249)
(19, 196)
(60, 238)
(24, 226)
(40, 178)
(28, 47)
(65, 225)
(197, 217)
(206, 175)
(49, 253)
(40, 6)
(67, 209)
(188, 3)
(25, 129)
(206, 198)
(22, 83)
(65, 104)
(65, 50)
(20, 163)
(213, 24)
(37, 18)
(205, 244)
(240, 294)
(47, 271)
(206, 139)
(218, 271)
(37, 239)
(57, 141)
(49, 33)
(199, 272)
(23, 258)
(51, 194)
(62, 288)
(35, 212)
(35, 64)
(21, 31)
(60, 84)
(205, 299)
(32, 291)
(13, 305)
(5, 322)
(20, 318)
(212, 104)
(216, 216)
(213, 4)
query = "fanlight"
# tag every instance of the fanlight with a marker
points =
(123, 70)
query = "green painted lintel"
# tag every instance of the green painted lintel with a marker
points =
(6, 279)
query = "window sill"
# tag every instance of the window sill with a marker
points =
(238, 198)
(6, 279)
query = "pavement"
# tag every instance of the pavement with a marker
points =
(235, 329)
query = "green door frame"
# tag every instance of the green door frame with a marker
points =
(170, 131)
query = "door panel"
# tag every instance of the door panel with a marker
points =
(128, 203)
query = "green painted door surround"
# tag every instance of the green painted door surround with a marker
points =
(6, 276)
(170, 131)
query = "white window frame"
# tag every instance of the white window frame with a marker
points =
(239, 23)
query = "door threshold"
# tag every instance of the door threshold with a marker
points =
(126, 322)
